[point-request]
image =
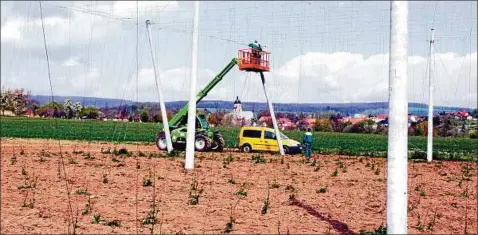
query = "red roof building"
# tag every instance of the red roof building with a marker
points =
(462, 113)
(265, 119)
(356, 120)
(283, 123)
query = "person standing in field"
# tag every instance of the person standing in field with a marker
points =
(307, 142)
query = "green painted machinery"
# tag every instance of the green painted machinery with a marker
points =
(205, 139)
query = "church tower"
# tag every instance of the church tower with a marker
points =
(237, 106)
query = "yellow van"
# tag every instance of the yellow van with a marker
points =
(264, 139)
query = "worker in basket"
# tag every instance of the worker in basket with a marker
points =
(256, 52)
(307, 142)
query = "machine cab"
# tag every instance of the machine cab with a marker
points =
(201, 122)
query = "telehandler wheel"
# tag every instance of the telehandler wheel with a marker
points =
(200, 143)
(218, 143)
(161, 141)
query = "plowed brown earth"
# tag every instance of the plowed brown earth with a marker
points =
(354, 199)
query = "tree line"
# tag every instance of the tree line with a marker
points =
(19, 103)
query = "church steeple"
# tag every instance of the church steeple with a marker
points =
(237, 105)
(237, 100)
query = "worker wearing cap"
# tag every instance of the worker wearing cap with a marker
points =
(254, 45)
(307, 142)
(256, 49)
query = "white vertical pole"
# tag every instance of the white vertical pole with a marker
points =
(430, 100)
(164, 115)
(273, 116)
(397, 163)
(189, 162)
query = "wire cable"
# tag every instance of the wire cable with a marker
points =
(65, 177)
(137, 101)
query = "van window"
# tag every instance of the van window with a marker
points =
(269, 135)
(251, 134)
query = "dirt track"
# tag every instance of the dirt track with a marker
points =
(353, 200)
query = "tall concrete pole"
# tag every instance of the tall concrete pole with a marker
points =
(273, 116)
(164, 115)
(397, 163)
(189, 162)
(430, 99)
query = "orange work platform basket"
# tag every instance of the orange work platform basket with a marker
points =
(253, 60)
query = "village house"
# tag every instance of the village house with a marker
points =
(355, 120)
(285, 124)
(30, 113)
(463, 114)
(282, 123)
(306, 123)
(380, 117)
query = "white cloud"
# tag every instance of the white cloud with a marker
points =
(175, 83)
(316, 62)
(5, 8)
(351, 77)
(128, 8)
(58, 30)
(341, 3)
(413, 60)
(316, 77)
(72, 61)
(348, 78)
(12, 29)
(76, 28)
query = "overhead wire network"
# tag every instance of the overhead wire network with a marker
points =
(291, 31)
(285, 27)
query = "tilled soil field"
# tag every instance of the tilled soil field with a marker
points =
(112, 193)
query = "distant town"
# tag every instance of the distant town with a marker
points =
(368, 118)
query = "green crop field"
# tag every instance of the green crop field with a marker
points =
(72, 129)
(325, 143)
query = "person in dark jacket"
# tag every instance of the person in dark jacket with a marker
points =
(307, 140)
(256, 51)
(254, 45)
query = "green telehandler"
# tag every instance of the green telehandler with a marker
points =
(205, 139)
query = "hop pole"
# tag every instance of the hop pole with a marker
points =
(164, 115)
(273, 116)
(397, 163)
(430, 100)
(189, 162)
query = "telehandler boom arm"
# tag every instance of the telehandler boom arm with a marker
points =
(176, 120)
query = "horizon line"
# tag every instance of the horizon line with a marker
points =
(303, 103)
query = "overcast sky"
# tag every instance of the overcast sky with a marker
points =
(322, 51)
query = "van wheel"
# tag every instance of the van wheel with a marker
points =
(246, 148)
(286, 149)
